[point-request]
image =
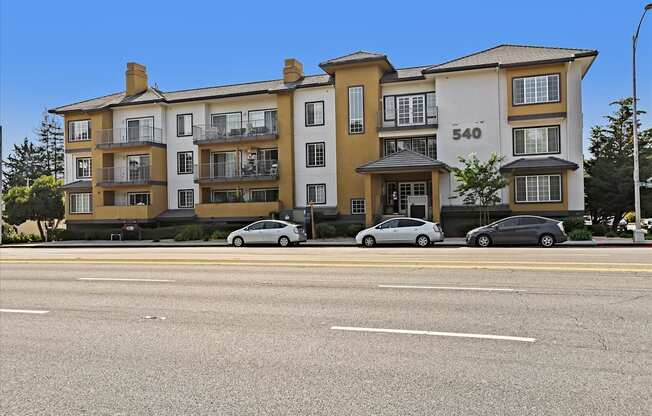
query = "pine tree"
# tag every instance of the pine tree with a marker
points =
(50, 138)
(24, 165)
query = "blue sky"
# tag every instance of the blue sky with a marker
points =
(54, 53)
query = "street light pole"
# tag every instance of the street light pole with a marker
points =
(638, 233)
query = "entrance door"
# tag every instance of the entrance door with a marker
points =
(406, 189)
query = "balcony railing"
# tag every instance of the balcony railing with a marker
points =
(128, 175)
(236, 171)
(426, 121)
(235, 131)
(129, 136)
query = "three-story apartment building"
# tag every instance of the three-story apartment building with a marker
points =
(358, 142)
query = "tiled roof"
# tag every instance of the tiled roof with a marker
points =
(81, 184)
(402, 160)
(404, 74)
(506, 55)
(549, 162)
(355, 57)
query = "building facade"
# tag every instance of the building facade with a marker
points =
(361, 141)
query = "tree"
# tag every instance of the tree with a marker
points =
(609, 185)
(50, 138)
(479, 182)
(40, 202)
(24, 164)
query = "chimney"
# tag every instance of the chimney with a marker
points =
(135, 79)
(293, 71)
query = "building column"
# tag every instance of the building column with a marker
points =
(436, 198)
(369, 200)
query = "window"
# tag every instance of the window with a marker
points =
(263, 195)
(356, 110)
(184, 163)
(138, 198)
(357, 206)
(410, 223)
(536, 140)
(184, 125)
(388, 224)
(257, 226)
(511, 222)
(411, 109)
(79, 130)
(425, 145)
(315, 155)
(262, 122)
(273, 225)
(530, 221)
(390, 108)
(227, 124)
(140, 129)
(220, 196)
(314, 113)
(186, 198)
(316, 193)
(538, 188)
(80, 203)
(138, 167)
(84, 167)
(535, 90)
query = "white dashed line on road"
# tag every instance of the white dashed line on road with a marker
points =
(24, 311)
(432, 333)
(477, 289)
(111, 279)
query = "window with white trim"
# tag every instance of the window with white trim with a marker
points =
(186, 198)
(538, 188)
(315, 113)
(315, 154)
(84, 167)
(425, 145)
(79, 130)
(184, 163)
(536, 140)
(535, 90)
(411, 110)
(357, 206)
(138, 198)
(356, 110)
(184, 125)
(316, 193)
(263, 195)
(80, 203)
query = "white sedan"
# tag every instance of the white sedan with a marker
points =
(278, 232)
(401, 231)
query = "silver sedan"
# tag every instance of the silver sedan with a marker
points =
(278, 232)
(401, 231)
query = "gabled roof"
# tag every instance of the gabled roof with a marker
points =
(406, 160)
(354, 58)
(511, 55)
(80, 184)
(539, 163)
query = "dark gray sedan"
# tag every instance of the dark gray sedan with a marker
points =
(521, 229)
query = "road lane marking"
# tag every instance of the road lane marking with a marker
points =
(433, 333)
(112, 279)
(478, 289)
(24, 311)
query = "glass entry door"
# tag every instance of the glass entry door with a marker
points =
(406, 189)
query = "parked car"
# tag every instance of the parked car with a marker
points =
(278, 232)
(520, 229)
(401, 231)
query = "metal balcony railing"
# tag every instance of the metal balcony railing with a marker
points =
(233, 170)
(129, 136)
(128, 175)
(236, 131)
(422, 121)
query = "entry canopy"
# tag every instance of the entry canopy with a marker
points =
(538, 164)
(402, 161)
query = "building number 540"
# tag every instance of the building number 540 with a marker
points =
(468, 133)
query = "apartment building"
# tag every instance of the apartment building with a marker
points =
(358, 142)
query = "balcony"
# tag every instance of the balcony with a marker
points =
(429, 121)
(126, 212)
(235, 131)
(242, 210)
(129, 137)
(124, 176)
(230, 171)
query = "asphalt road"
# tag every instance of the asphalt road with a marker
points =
(326, 331)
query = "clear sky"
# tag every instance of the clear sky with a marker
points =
(55, 53)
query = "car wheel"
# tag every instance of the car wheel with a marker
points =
(368, 241)
(284, 241)
(547, 240)
(483, 240)
(238, 242)
(423, 241)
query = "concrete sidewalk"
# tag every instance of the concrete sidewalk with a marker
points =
(327, 242)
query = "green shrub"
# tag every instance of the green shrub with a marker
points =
(611, 234)
(190, 233)
(648, 236)
(573, 223)
(599, 229)
(325, 230)
(219, 234)
(161, 233)
(626, 234)
(353, 229)
(580, 234)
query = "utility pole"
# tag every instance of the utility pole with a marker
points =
(1, 195)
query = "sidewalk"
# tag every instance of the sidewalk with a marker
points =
(327, 242)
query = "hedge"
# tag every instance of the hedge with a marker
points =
(580, 234)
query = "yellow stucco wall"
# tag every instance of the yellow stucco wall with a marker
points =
(237, 209)
(534, 109)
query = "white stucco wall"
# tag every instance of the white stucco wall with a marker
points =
(70, 166)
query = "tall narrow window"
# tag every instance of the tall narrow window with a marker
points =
(184, 163)
(389, 108)
(536, 89)
(315, 155)
(79, 130)
(186, 198)
(538, 188)
(316, 193)
(184, 125)
(314, 113)
(84, 165)
(356, 110)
